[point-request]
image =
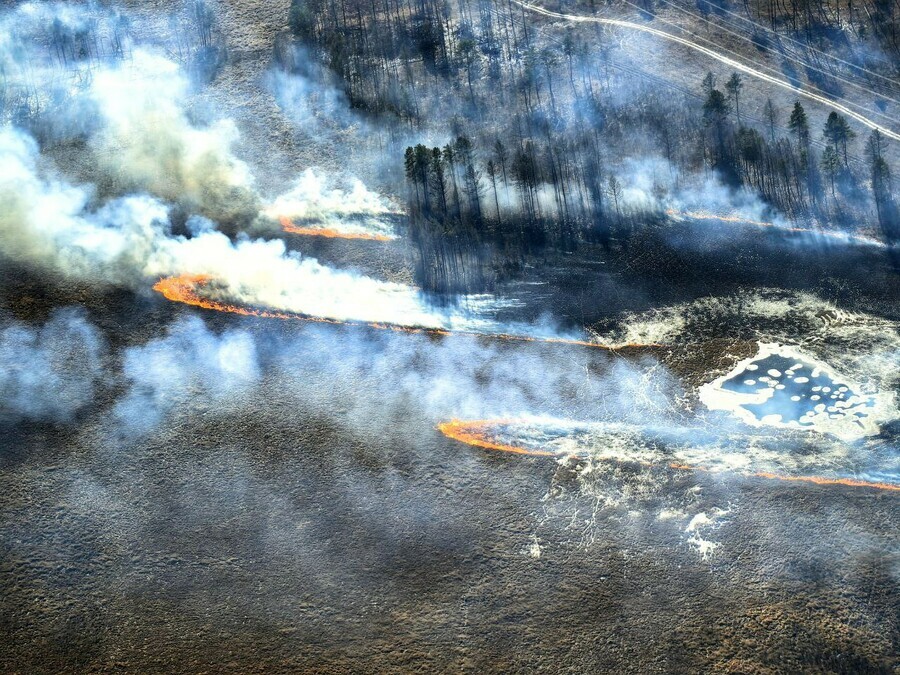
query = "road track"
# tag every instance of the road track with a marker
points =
(737, 65)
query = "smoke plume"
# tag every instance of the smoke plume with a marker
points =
(187, 367)
(51, 372)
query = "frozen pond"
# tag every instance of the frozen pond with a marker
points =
(781, 386)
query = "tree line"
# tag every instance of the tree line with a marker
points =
(543, 130)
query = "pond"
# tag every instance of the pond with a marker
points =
(781, 386)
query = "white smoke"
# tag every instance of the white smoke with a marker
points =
(145, 127)
(188, 367)
(128, 241)
(355, 210)
(308, 95)
(49, 373)
(148, 144)
(654, 183)
(46, 221)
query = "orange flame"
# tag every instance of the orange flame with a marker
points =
(823, 480)
(186, 288)
(288, 226)
(477, 433)
(708, 215)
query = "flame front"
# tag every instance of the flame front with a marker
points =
(475, 432)
(478, 433)
(186, 288)
(288, 226)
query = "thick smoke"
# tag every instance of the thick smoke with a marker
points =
(46, 221)
(315, 199)
(129, 241)
(73, 74)
(189, 366)
(146, 142)
(147, 149)
(49, 373)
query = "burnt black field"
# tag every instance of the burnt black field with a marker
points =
(280, 536)
(549, 384)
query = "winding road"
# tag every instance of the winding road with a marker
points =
(737, 65)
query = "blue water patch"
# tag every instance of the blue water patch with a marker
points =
(800, 392)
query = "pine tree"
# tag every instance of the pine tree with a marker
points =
(491, 169)
(771, 118)
(733, 87)
(838, 132)
(888, 212)
(831, 164)
(615, 191)
(715, 111)
(799, 124)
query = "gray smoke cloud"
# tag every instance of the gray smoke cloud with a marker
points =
(147, 143)
(139, 122)
(148, 158)
(190, 366)
(74, 74)
(51, 372)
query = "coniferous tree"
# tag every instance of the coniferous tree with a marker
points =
(799, 124)
(733, 87)
(831, 164)
(771, 118)
(838, 132)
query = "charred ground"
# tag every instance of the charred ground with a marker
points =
(301, 513)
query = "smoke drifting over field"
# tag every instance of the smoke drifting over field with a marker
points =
(146, 142)
(158, 160)
(49, 373)
(241, 430)
(188, 364)
(129, 240)
(148, 158)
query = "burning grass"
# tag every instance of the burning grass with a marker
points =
(738, 220)
(619, 443)
(188, 289)
(289, 226)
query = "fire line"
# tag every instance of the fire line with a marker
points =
(476, 433)
(706, 215)
(288, 226)
(185, 288)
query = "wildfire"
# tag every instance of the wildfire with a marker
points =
(477, 433)
(822, 480)
(288, 226)
(708, 215)
(186, 288)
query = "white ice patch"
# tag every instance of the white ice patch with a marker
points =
(796, 397)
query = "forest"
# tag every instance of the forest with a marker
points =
(541, 135)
